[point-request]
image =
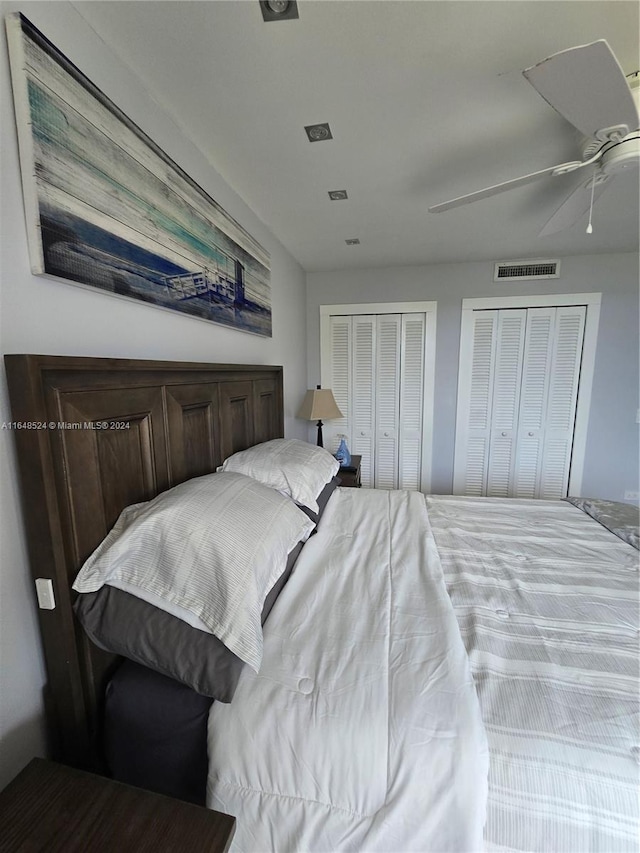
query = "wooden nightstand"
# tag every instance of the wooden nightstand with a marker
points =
(61, 810)
(350, 474)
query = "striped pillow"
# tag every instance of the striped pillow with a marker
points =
(295, 468)
(207, 551)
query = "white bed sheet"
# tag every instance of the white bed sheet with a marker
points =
(547, 602)
(362, 731)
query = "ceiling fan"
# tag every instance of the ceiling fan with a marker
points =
(587, 86)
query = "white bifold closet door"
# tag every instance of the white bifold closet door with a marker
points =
(515, 431)
(377, 378)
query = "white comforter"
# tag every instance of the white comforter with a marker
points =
(362, 731)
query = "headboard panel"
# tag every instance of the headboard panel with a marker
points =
(100, 435)
(194, 430)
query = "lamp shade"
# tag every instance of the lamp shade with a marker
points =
(319, 404)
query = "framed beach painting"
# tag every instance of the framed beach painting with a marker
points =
(107, 208)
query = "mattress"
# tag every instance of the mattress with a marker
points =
(362, 731)
(547, 604)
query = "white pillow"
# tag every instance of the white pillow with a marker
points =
(207, 551)
(293, 467)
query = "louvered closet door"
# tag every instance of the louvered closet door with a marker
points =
(474, 431)
(411, 400)
(515, 437)
(506, 400)
(563, 397)
(377, 377)
(533, 401)
(549, 396)
(387, 400)
(364, 394)
(340, 382)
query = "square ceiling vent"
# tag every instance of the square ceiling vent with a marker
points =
(526, 270)
(318, 132)
(278, 10)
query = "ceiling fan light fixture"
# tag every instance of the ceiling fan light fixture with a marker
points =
(624, 155)
(586, 86)
(279, 10)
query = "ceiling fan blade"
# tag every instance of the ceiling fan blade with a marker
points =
(587, 86)
(574, 206)
(562, 169)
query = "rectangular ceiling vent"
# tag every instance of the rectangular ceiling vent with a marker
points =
(517, 270)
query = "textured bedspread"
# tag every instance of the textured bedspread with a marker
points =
(362, 731)
(547, 603)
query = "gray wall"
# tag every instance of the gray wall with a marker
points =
(611, 465)
(47, 316)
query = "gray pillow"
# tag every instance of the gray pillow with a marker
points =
(126, 625)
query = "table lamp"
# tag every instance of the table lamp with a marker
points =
(319, 404)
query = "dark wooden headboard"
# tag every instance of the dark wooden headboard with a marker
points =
(94, 435)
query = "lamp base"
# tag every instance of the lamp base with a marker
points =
(319, 441)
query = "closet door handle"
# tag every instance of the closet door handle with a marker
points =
(530, 433)
(504, 434)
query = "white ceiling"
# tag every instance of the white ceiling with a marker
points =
(425, 99)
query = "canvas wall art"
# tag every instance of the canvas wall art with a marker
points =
(107, 208)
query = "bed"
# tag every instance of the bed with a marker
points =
(436, 673)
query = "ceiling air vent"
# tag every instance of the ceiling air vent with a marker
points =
(516, 270)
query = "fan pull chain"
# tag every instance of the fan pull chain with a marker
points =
(593, 186)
